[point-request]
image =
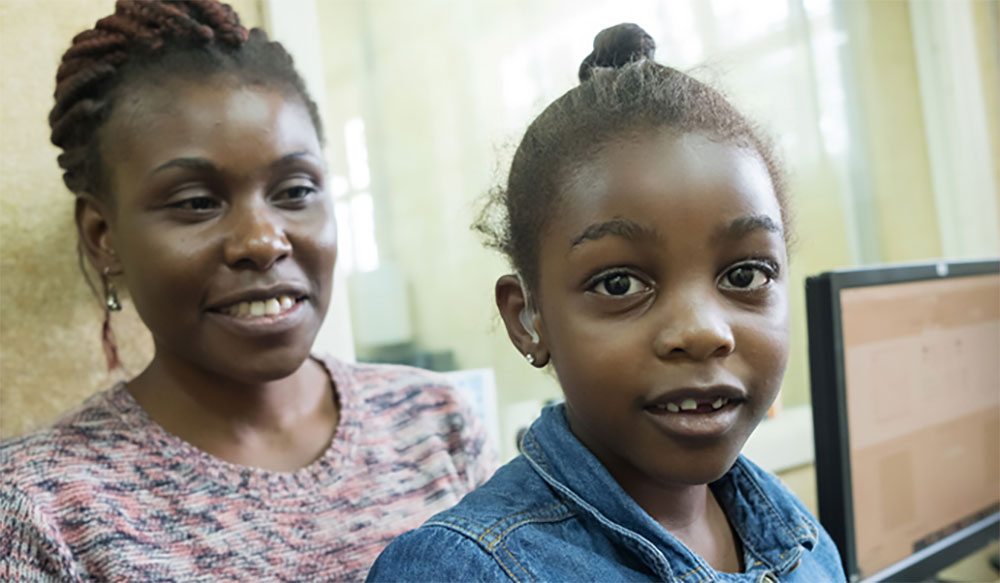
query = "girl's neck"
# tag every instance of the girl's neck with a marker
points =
(282, 424)
(693, 515)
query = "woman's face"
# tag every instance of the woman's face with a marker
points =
(221, 225)
(663, 304)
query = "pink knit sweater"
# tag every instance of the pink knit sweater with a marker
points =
(108, 495)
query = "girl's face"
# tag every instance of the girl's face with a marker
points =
(221, 225)
(663, 303)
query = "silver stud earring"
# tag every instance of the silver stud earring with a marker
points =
(530, 358)
(110, 293)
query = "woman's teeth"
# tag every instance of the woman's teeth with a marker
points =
(268, 307)
(691, 405)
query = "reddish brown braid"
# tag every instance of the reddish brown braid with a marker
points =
(121, 47)
(151, 38)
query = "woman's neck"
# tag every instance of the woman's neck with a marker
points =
(280, 425)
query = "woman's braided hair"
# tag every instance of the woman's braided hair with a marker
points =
(622, 92)
(147, 41)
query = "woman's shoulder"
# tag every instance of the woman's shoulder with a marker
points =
(397, 391)
(377, 378)
(73, 444)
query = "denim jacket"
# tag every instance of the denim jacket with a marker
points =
(555, 514)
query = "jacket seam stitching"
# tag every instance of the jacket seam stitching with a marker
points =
(530, 518)
(528, 521)
(516, 562)
(506, 570)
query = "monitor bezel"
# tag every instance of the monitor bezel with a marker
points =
(829, 398)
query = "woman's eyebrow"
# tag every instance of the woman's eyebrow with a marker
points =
(619, 227)
(206, 164)
(745, 225)
(296, 156)
(189, 163)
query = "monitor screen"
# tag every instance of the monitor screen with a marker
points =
(905, 364)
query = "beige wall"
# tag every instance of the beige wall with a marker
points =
(50, 323)
(986, 19)
(892, 126)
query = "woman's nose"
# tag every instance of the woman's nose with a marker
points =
(695, 327)
(256, 239)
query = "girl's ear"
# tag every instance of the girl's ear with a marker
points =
(521, 320)
(96, 238)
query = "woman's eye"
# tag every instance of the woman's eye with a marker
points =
(296, 194)
(747, 277)
(618, 285)
(196, 204)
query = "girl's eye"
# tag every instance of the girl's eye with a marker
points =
(747, 277)
(619, 285)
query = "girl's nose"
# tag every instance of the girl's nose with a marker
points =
(696, 328)
(256, 240)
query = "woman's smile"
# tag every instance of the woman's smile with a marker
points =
(224, 229)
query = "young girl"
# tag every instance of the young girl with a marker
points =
(195, 156)
(647, 223)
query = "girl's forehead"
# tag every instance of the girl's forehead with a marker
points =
(664, 171)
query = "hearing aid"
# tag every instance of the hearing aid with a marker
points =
(527, 318)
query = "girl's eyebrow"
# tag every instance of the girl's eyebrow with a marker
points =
(745, 225)
(619, 227)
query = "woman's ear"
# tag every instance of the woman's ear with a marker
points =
(96, 238)
(521, 320)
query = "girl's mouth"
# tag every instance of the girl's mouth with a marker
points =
(696, 417)
(689, 406)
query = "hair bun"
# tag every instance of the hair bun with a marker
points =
(616, 47)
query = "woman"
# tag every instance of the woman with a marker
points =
(195, 155)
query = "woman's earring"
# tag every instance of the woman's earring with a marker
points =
(530, 358)
(110, 293)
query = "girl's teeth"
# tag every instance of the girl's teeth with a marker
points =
(692, 405)
(257, 308)
(286, 302)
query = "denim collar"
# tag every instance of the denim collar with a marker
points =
(774, 531)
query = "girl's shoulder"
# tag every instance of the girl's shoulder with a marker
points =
(477, 532)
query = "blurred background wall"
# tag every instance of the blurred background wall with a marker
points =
(886, 113)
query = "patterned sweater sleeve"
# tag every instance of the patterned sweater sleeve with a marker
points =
(31, 548)
(474, 453)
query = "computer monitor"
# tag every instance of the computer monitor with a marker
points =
(905, 381)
